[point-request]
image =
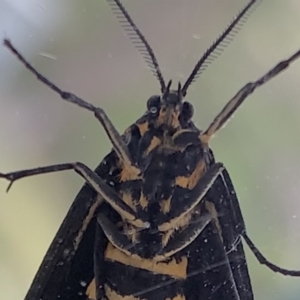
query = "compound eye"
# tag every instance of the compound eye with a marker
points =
(153, 105)
(187, 111)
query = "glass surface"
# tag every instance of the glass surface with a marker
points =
(81, 47)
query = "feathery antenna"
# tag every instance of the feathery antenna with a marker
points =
(138, 39)
(219, 45)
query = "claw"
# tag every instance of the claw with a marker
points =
(9, 186)
(7, 177)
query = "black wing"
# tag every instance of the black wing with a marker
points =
(232, 224)
(68, 266)
(64, 268)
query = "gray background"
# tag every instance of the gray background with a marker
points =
(81, 47)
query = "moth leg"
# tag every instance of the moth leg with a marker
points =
(187, 236)
(240, 226)
(230, 108)
(182, 240)
(114, 235)
(194, 197)
(197, 222)
(93, 179)
(262, 260)
(117, 141)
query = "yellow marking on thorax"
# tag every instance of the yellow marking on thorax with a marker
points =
(112, 295)
(176, 223)
(133, 236)
(155, 142)
(143, 201)
(177, 297)
(143, 127)
(172, 268)
(127, 198)
(131, 232)
(166, 237)
(91, 290)
(174, 118)
(191, 180)
(165, 205)
(175, 122)
(129, 173)
(161, 117)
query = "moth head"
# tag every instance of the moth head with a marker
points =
(170, 109)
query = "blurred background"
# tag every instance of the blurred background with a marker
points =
(82, 48)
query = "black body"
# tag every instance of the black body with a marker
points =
(216, 269)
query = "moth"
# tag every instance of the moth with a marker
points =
(159, 218)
